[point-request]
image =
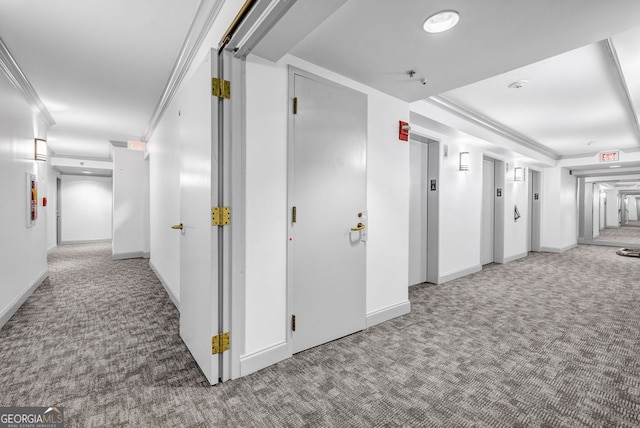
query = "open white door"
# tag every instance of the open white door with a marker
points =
(199, 240)
(327, 253)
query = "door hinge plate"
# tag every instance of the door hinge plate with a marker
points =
(295, 105)
(220, 343)
(220, 216)
(293, 323)
(220, 88)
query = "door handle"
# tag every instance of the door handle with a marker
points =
(177, 226)
(360, 226)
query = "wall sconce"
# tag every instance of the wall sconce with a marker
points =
(518, 174)
(464, 161)
(40, 149)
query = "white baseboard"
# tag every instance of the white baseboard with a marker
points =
(264, 358)
(167, 287)
(146, 254)
(52, 249)
(390, 312)
(558, 250)
(123, 256)
(515, 257)
(95, 241)
(459, 274)
(13, 307)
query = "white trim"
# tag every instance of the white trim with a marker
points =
(264, 358)
(558, 250)
(390, 312)
(15, 75)
(13, 307)
(96, 241)
(146, 254)
(132, 255)
(491, 125)
(167, 287)
(52, 249)
(459, 274)
(515, 257)
(200, 27)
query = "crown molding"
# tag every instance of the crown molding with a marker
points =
(17, 77)
(202, 22)
(615, 60)
(491, 125)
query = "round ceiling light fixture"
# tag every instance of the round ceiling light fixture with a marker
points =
(441, 21)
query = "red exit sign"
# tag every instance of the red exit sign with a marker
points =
(609, 156)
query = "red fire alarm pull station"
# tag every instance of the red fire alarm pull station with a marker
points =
(403, 131)
(44, 202)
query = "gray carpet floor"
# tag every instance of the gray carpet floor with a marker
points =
(552, 340)
(623, 234)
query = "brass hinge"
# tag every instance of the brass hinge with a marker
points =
(220, 216)
(293, 323)
(220, 88)
(220, 343)
(294, 215)
(295, 105)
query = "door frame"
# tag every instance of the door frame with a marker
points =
(291, 72)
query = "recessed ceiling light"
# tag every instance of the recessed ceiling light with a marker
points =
(441, 21)
(519, 84)
(86, 172)
(615, 166)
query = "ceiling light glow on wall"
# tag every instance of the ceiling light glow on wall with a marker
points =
(40, 149)
(464, 161)
(441, 21)
(518, 174)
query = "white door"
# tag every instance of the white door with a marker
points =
(418, 163)
(488, 211)
(199, 240)
(328, 190)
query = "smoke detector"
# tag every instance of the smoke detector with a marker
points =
(519, 84)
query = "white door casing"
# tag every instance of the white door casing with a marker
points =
(327, 186)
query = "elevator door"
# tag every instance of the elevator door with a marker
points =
(418, 193)
(488, 211)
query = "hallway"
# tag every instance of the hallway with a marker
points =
(550, 339)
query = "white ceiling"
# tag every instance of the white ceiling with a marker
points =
(99, 66)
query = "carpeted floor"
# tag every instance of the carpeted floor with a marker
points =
(623, 234)
(549, 340)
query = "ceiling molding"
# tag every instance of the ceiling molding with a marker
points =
(615, 60)
(493, 126)
(202, 23)
(15, 75)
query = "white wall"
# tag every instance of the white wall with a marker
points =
(86, 208)
(266, 157)
(612, 208)
(460, 211)
(23, 250)
(633, 209)
(558, 210)
(130, 206)
(515, 232)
